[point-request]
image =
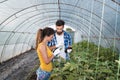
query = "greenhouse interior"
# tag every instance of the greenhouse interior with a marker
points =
(92, 24)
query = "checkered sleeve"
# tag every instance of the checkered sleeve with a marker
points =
(67, 39)
(70, 40)
(52, 42)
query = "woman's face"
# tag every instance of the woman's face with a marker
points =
(50, 37)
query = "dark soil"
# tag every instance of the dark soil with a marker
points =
(20, 67)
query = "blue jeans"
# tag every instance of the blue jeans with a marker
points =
(67, 56)
(42, 75)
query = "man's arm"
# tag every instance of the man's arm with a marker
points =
(70, 41)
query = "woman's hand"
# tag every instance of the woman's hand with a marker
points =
(56, 51)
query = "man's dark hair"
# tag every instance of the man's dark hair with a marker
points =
(60, 22)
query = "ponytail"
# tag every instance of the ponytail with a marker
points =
(42, 33)
(38, 37)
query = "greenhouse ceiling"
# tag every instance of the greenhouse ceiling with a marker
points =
(95, 20)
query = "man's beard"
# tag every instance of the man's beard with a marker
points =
(59, 33)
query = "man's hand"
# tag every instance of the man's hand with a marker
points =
(69, 50)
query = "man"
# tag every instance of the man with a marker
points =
(61, 40)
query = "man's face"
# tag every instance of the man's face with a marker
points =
(59, 29)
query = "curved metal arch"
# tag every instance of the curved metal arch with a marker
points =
(93, 23)
(54, 3)
(3, 1)
(79, 29)
(24, 40)
(69, 22)
(84, 18)
(96, 15)
(82, 29)
(66, 20)
(108, 6)
(25, 14)
(7, 41)
(38, 21)
(26, 19)
(24, 10)
(15, 44)
(31, 39)
(99, 22)
(19, 37)
(66, 12)
(44, 21)
(103, 20)
(43, 25)
(76, 20)
(5, 44)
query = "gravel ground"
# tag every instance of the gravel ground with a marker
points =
(19, 67)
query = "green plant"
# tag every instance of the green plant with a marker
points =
(86, 65)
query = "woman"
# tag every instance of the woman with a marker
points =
(44, 53)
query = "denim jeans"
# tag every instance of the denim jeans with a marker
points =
(42, 75)
(67, 56)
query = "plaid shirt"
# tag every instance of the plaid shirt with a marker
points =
(67, 40)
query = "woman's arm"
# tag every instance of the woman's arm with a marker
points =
(43, 51)
(52, 47)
